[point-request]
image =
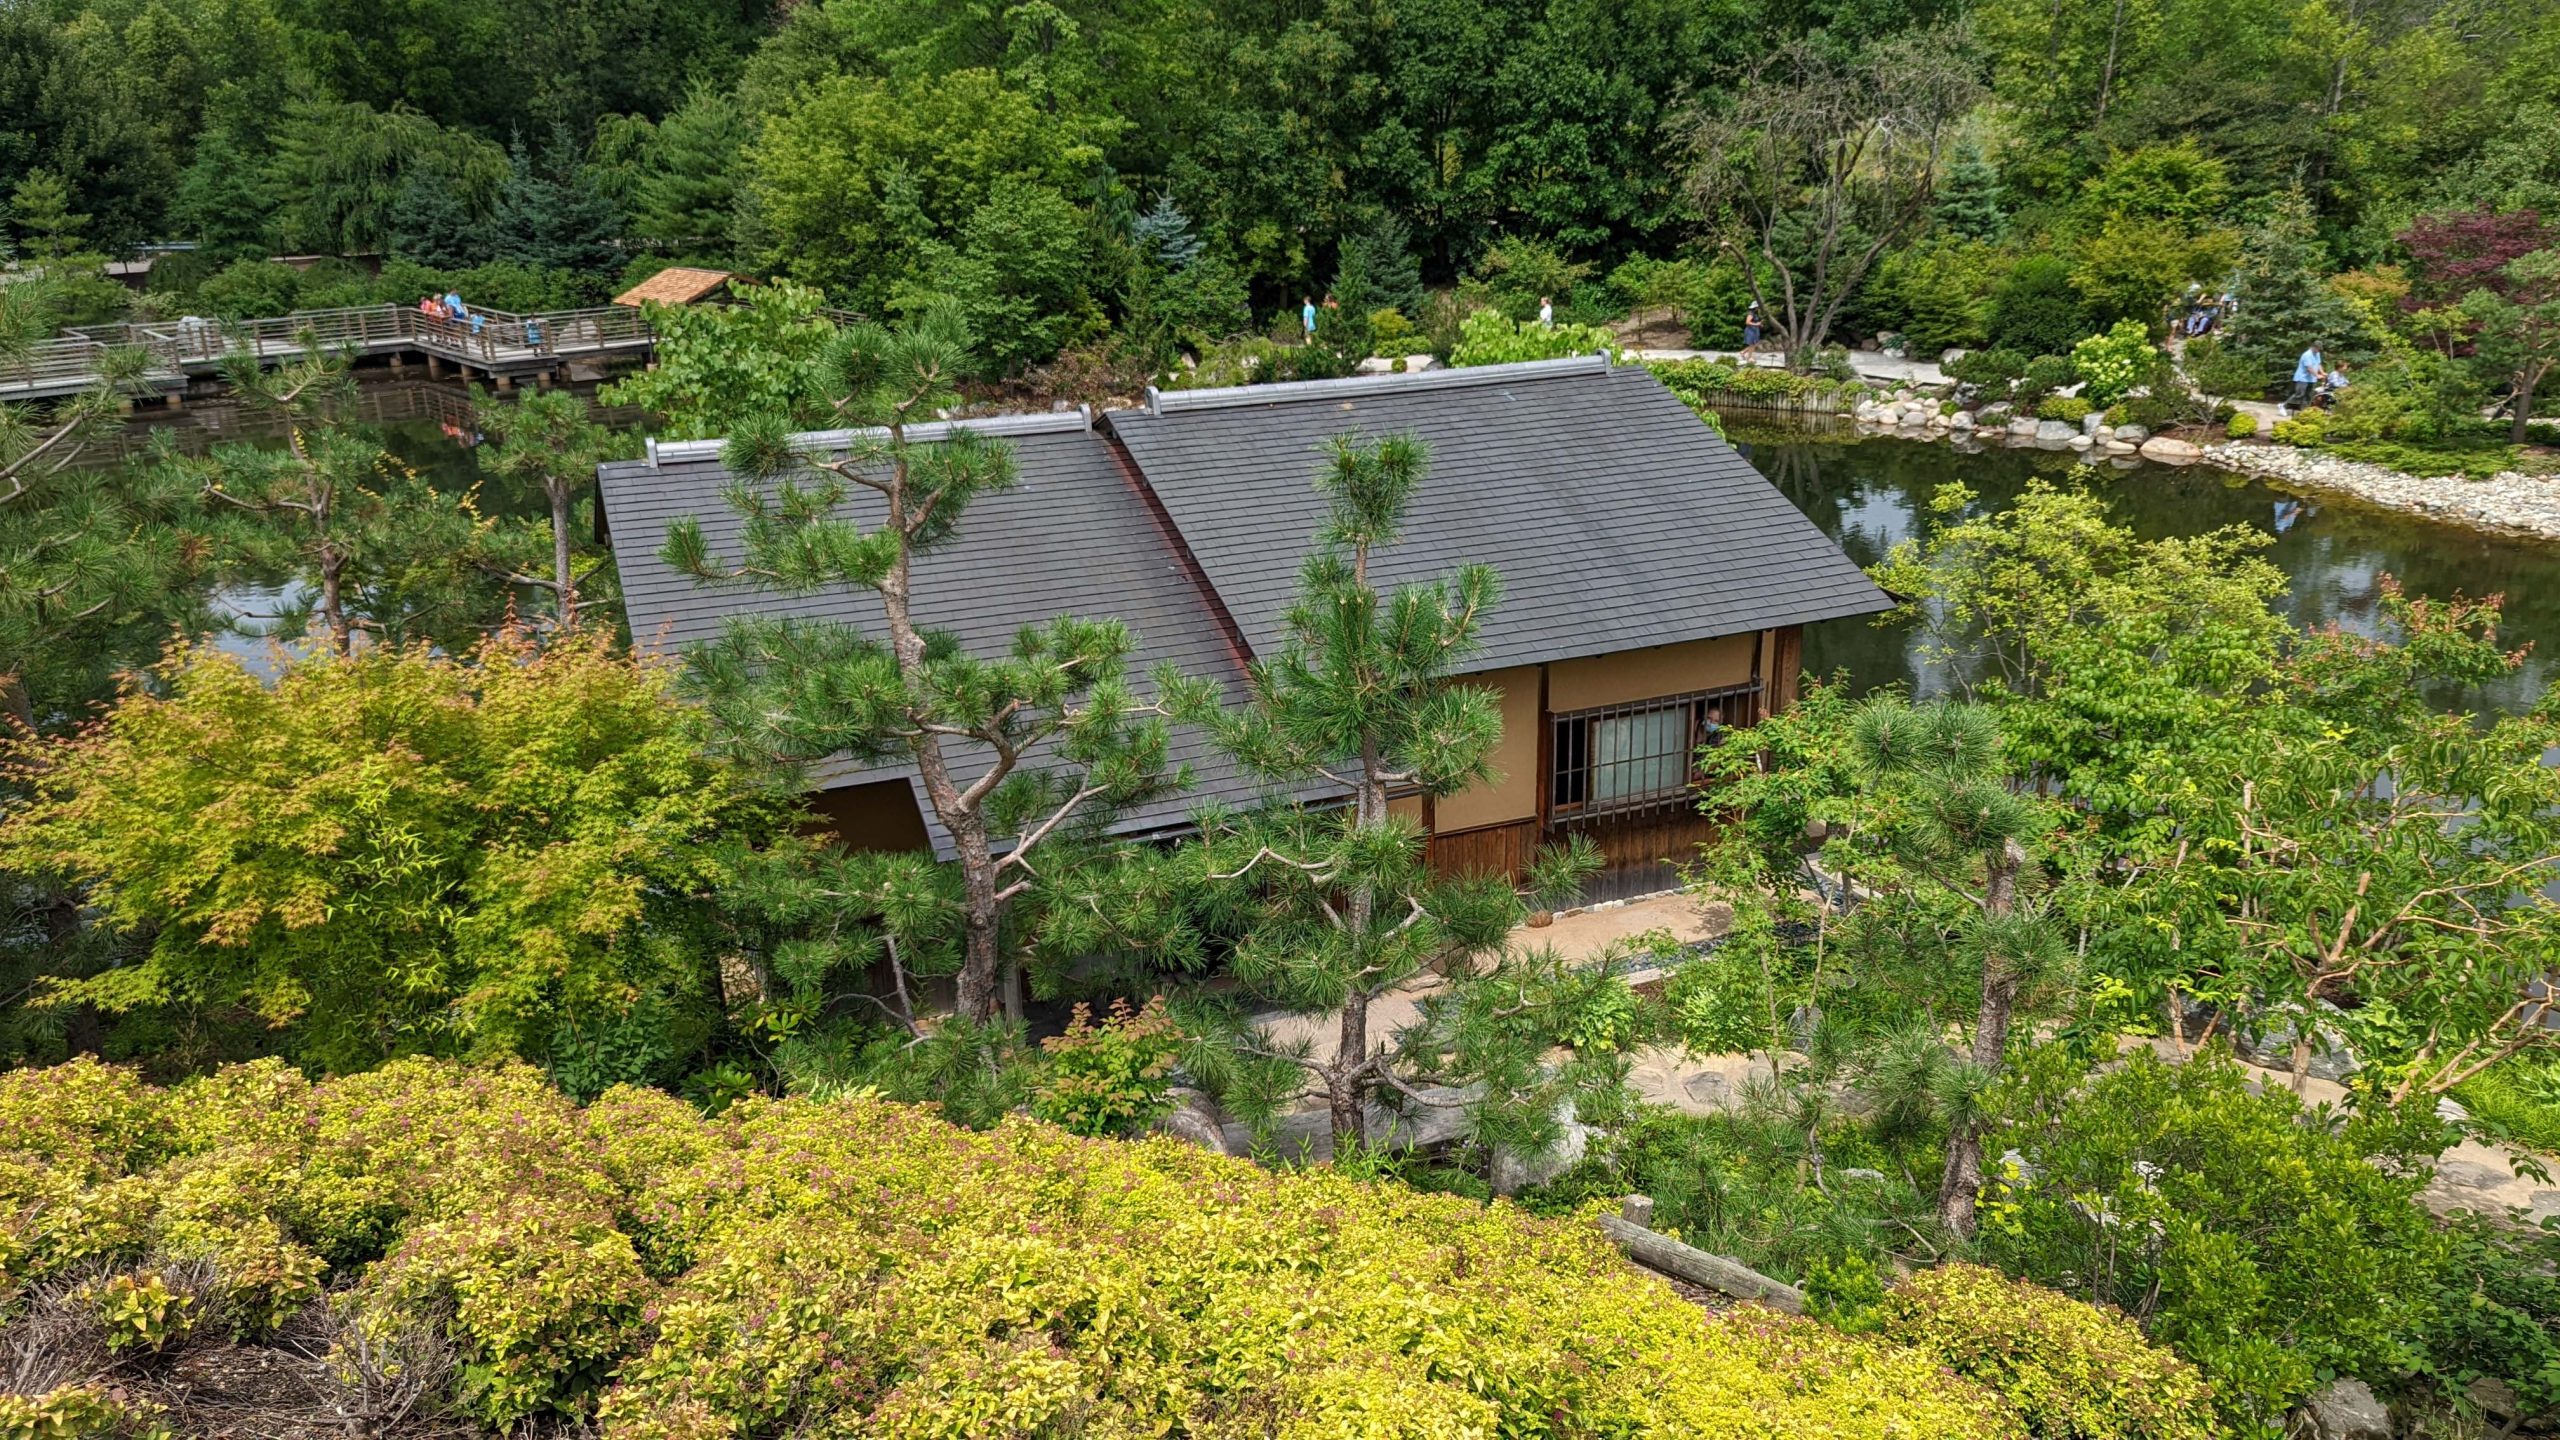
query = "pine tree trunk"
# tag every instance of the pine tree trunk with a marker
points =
(333, 608)
(567, 597)
(1346, 1089)
(1960, 1188)
(981, 957)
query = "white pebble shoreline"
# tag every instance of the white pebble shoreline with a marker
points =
(2508, 503)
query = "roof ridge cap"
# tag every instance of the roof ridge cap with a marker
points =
(1456, 377)
(1026, 422)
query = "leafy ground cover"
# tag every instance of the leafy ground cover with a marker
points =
(862, 1267)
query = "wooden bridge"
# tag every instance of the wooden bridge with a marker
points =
(498, 344)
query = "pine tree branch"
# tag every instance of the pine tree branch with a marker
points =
(1319, 870)
(1022, 848)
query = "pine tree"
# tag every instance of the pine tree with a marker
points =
(687, 197)
(92, 560)
(374, 549)
(1970, 202)
(546, 447)
(432, 225)
(2286, 304)
(40, 211)
(1019, 756)
(1376, 271)
(1339, 905)
(550, 213)
(1959, 817)
(1164, 236)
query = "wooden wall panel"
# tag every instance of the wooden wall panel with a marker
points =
(1492, 850)
(1786, 669)
(880, 815)
(1641, 854)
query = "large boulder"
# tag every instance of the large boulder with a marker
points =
(2171, 452)
(2092, 423)
(2024, 425)
(2344, 1410)
(2133, 434)
(1960, 421)
(1192, 1118)
(1514, 1172)
(2055, 432)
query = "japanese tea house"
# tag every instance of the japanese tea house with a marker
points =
(1653, 584)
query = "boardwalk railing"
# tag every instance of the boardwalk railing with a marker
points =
(493, 340)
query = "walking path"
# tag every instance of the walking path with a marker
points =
(2469, 1176)
(496, 342)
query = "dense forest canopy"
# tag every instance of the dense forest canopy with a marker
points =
(889, 148)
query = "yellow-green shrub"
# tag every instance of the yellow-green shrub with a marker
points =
(2076, 1372)
(859, 1267)
(79, 1412)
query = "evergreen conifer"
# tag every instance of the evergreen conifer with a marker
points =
(551, 215)
(1970, 202)
(2286, 304)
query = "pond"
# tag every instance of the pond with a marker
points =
(1870, 494)
(1867, 493)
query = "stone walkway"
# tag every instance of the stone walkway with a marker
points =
(2469, 1176)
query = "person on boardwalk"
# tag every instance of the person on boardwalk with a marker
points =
(1546, 312)
(2308, 372)
(1307, 316)
(1751, 328)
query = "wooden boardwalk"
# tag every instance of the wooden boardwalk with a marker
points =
(494, 342)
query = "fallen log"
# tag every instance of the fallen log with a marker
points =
(1656, 1251)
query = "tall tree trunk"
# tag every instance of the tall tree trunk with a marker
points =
(567, 597)
(2524, 382)
(2107, 75)
(981, 957)
(333, 606)
(1960, 1188)
(1346, 1088)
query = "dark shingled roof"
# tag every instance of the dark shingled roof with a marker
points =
(1614, 518)
(1073, 537)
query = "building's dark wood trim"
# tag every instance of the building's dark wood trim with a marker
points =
(1546, 755)
(1786, 669)
(1171, 535)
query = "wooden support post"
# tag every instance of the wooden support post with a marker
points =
(435, 367)
(504, 382)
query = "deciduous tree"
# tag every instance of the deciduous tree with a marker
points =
(1818, 165)
(398, 852)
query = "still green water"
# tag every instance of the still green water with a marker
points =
(1871, 494)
